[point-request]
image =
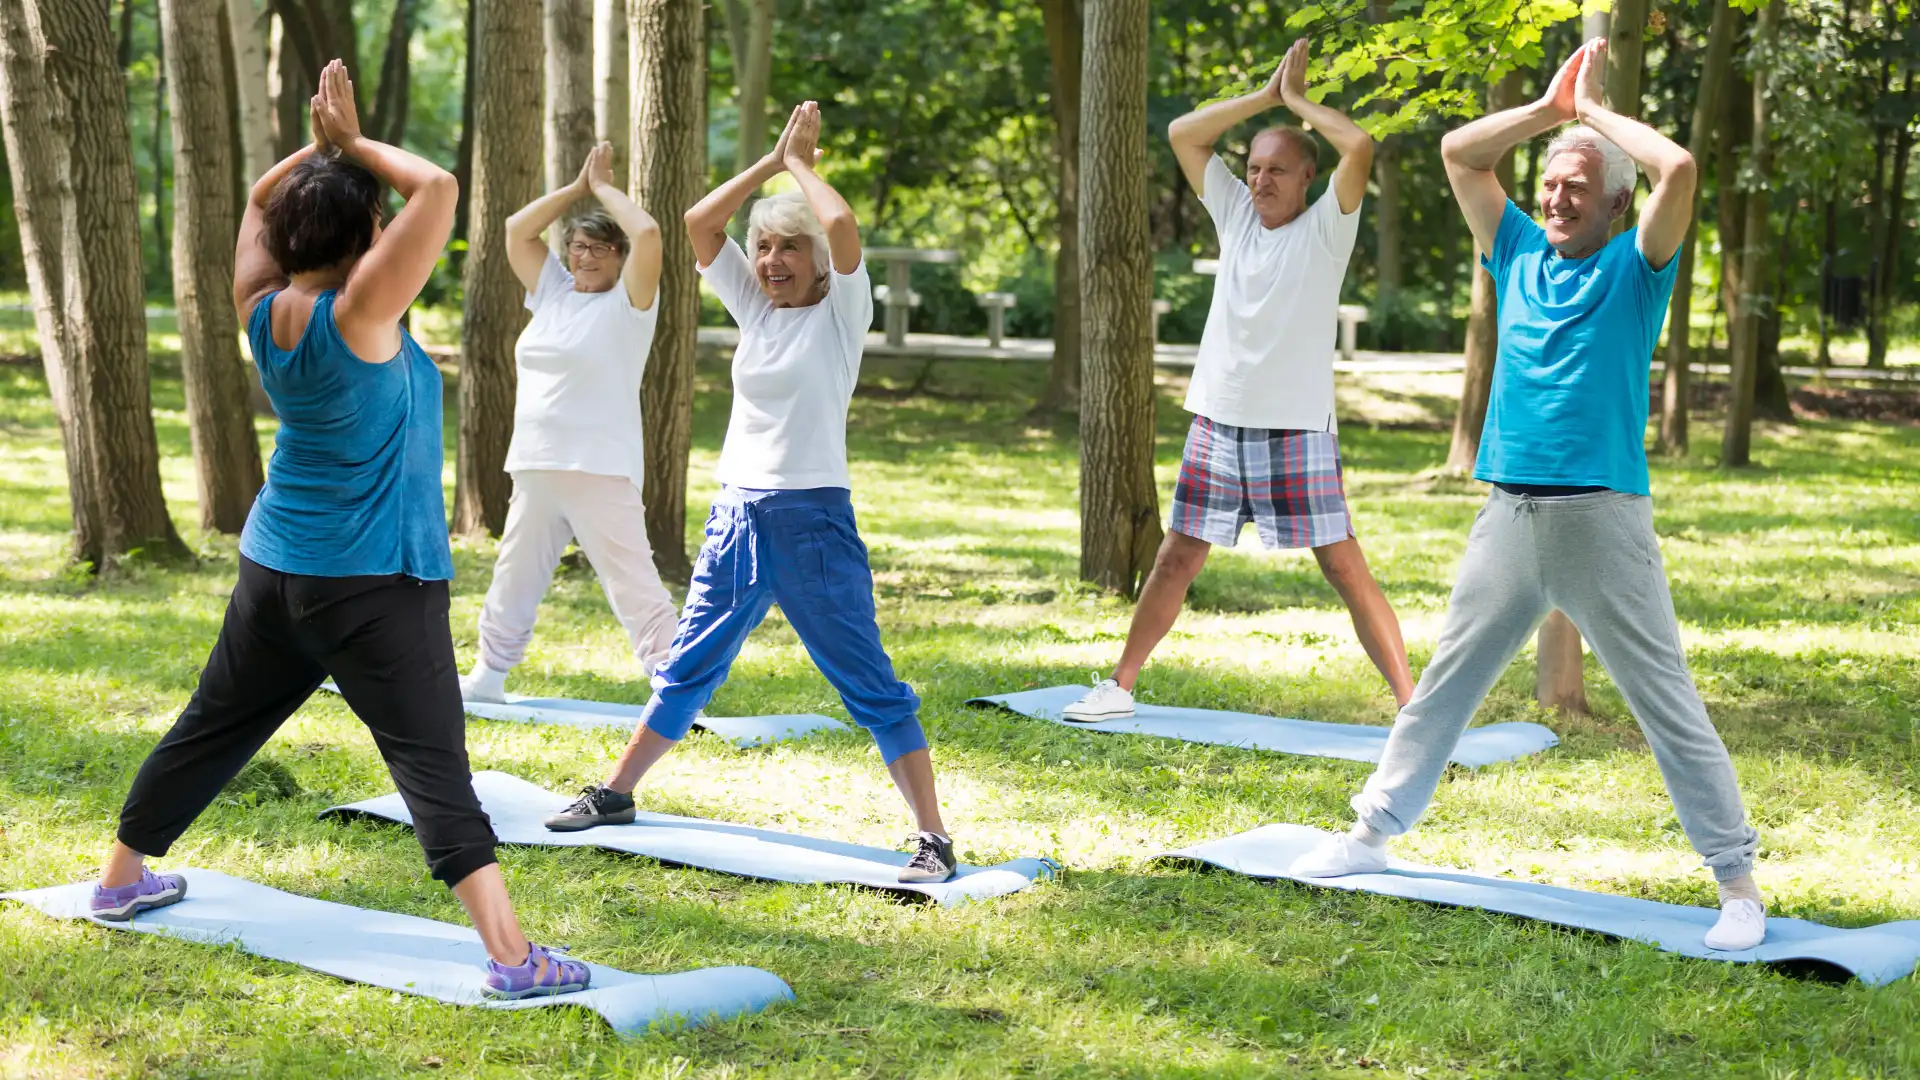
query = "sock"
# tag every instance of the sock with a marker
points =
(937, 836)
(1740, 888)
(1365, 834)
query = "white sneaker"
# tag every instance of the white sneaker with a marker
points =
(484, 684)
(1338, 856)
(1108, 700)
(1742, 926)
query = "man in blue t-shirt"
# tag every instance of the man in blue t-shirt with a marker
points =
(1569, 524)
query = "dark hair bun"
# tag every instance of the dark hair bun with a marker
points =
(323, 213)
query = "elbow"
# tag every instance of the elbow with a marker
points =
(1450, 148)
(840, 223)
(1683, 170)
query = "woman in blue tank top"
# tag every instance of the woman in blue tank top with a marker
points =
(344, 561)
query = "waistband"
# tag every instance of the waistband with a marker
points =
(783, 499)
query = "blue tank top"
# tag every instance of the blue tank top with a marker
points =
(354, 483)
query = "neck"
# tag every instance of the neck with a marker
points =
(1581, 249)
(329, 277)
(1283, 217)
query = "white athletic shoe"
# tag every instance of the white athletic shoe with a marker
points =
(1108, 700)
(1742, 926)
(484, 684)
(1339, 856)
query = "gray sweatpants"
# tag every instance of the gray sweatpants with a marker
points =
(1596, 558)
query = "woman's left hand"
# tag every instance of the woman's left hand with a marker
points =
(337, 114)
(803, 136)
(599, 167)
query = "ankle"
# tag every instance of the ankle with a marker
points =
(1740, 888)
(1363, 833)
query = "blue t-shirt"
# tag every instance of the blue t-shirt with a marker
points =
(1568, 404)
(354, 484)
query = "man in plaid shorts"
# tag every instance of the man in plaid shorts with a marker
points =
(1262, 447)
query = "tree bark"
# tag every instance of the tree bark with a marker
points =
(1730, 206)
(1119, 503)
(610, 94)
(1386, 224)
(63, 109)
(753, 71)
(1736, 449)
(387, 121)
(249, 23)
(156, 154)
(288, 90)
(569, 116)
(1886, 259)
(506, 176)
(226, 450)
(668, 41)
(463, 150)
(1700, 143)
(318, 31)
(1482, 321)
(1064, 28)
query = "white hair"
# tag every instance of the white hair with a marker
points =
(1619, 173)
(787, 214)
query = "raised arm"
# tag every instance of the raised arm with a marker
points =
(526, 253)
(388, 277)
(1355, 146)
(1194, 134)
(641, 275)
(799, 153)
(706, 221)
(1471, 152)
(255, 273)
(1668, 211)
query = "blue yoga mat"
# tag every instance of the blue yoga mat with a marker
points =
(1310, 738)
(518, 808)
(407, 953)
(1874, 954)
(741, 730)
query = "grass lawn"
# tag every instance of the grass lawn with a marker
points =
(1798, 588)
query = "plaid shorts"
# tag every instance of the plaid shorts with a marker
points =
(1286, 482)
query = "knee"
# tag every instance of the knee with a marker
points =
(1344, 567)
(1180, 557)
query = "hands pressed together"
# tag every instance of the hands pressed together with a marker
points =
(1580, 86)
(336, 123)
(1289, 82)
(799, 145)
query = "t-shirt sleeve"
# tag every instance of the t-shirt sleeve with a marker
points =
(1227, 200)
(1656, 286)
(554, 280)
(730, 276)
(1335, 229)
(1518, 234)
(851, 297)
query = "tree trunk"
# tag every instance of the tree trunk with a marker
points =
(1734, 130)
(1736, 450)
(610, 94)
(569, 117)
(1559, 676)
(250, 22)
(1700, 143)
(753, 71)
(226, 450)
(1886, 259)
(1482, 322)
(463, 150)
(1064, 30)
(63, 100)
(668, 41)
(1119, 503)
(387, 121)
(506, 176)
(288, 90)
(156, 153)
(1829, 247)
(318, 31)
(1386, 224)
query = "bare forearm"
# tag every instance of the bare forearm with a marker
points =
(1203, 127)
(712, 213)
(625, 212)
(263, 188)
(1480, 144)
(1333, 125)
(1657, 155)
(405, 172)
(532, 219)
(827, 204)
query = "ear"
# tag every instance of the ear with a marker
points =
(1621, 203)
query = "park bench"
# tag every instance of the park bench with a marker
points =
(897, 295)
(997, 304)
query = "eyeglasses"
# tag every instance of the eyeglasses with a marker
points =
(598, 251)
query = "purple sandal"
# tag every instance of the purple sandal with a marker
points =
(151, 891)
(510, 982)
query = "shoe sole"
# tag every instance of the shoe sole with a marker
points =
(583, 824)
(926, 879)
(1094, 718)
(144, 903)
(533, 991)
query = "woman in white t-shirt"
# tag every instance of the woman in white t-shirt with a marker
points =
(576, 457)
(782, 530)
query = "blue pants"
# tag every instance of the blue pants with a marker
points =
(799, 549)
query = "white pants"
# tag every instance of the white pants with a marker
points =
(606, 516)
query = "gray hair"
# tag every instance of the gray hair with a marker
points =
(1618, 171)
(598, 225)
(788, 214)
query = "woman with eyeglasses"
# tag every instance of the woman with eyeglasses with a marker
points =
(576, 456)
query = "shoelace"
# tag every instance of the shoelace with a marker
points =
(926, 855)
(589, 799)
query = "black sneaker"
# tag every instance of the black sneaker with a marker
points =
(932, 860)
(597, 805)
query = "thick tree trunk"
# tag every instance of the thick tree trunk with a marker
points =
(1119, 503)
(387, 121)
(1482, 321)
(1734, 130)
(1886, 259)
(1386, 224)
(610, 94)
(1736, 450)
(226, 450)
(288, 91)
(463, 150)
(506, 176)
(63, 99)
(668, 42)
(569, 116)
(1559, 676)
(318, 31)
(1064, 28)
(1700, 143)
(156, 153)
(249, 22)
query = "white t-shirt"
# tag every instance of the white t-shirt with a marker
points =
(1266, 357)
(793, 377)
(577, 408)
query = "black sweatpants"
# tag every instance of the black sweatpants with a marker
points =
(386, 642)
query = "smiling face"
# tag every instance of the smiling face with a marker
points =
(787, 271)
(1574, 203)
(1278, 175)
(596, 264)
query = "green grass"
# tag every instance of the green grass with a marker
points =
(1796, 585)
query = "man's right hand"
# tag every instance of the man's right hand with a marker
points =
(1558, 101)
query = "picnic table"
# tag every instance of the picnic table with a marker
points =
(899, 298)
